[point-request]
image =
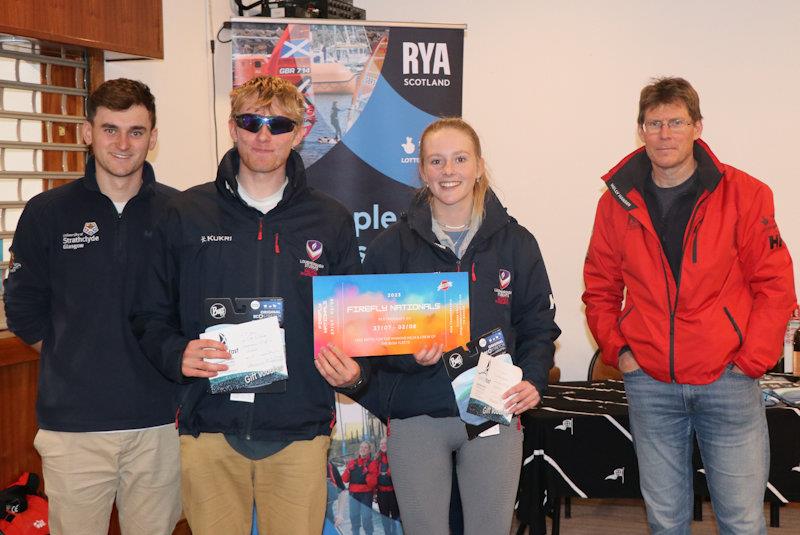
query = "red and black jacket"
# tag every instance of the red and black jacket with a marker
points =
(362, 474)
(381, 463)
(735, 291)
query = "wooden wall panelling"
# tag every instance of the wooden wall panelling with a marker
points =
(19, 373)
(58, 104)
(130, 27)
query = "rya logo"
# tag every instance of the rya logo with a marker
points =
(433, 56)
(313, 249)
(505, 278)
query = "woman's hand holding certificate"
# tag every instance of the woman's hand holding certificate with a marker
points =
(521, 397)
(429, 355)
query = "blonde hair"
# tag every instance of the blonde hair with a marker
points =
(265, 90)
(483, 182)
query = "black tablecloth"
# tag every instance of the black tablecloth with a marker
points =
(578, 443)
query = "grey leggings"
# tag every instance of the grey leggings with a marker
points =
(420, 454)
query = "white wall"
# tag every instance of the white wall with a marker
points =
(552, 87)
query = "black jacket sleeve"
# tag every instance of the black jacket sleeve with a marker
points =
(533, 313)
(27, 288)
(156, 315)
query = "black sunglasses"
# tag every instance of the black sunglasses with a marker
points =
(252, 122)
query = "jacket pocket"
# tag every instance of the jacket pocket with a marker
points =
(624, 316)
(695, 233)
(735, 326)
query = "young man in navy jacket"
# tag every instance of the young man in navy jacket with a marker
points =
(78, 259)
(257, 231)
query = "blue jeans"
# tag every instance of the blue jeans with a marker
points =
(361, 512)
(727, 416)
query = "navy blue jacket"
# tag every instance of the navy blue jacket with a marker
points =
(523, 308)
(211, 245)
(77, 265)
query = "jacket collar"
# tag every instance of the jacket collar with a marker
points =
(630, 173)
(495, 217)
(228, 169)
(90, 176)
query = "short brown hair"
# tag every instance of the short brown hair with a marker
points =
(669, 90)
(457, 123)
(266, 89)
(120, 94)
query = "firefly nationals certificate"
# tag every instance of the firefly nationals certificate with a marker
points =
(371, 315)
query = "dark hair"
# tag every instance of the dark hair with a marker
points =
(120, 94)
(669, 90)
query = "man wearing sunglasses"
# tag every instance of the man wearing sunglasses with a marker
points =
(256, 232)
(688, 290)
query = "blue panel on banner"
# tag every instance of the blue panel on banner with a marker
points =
(386, 134)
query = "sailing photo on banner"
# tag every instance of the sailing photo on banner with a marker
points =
(370, 91)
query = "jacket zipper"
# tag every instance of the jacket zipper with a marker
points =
(259, 240)
(674, 307)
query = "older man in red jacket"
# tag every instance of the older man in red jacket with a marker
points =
(688, 290)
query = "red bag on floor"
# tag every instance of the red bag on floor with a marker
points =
(22, 511)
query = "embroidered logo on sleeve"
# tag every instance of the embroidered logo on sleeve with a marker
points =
(13, 265)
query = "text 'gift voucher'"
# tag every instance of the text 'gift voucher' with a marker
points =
(370, 315)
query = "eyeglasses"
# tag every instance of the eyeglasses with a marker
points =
(252, 122)
(674, 125)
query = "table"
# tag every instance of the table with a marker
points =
(578, 443)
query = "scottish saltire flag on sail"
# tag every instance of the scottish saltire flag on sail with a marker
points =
(370, 90)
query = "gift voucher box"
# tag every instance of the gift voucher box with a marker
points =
(373, 315)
